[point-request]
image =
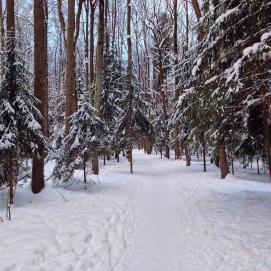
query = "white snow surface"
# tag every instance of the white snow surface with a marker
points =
(164, 217)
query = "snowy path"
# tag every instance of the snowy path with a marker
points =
(165, 217)
(156, 228)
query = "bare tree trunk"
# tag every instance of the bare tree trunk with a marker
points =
(198, 13)
(99, 60)
(71, 93)
(11, 186)
(186, 148)
(85, 171)
(186, 26)
(87, 4)
(177, 89)
(1, 32)
(1, 25)
(99, 77)
(217, 160)
(117, 153)
(130, 88)
(196, 8)
(95, 160)
(12, 90)
(114, 22)
(91, 53)
(187, 156)
(46, 94)
(164, 106)
(223, 162)
(204, 152)
(265, 109)
(40, 86)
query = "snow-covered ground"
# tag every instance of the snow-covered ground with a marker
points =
(165, 217)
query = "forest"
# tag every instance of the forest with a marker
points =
(87, 85)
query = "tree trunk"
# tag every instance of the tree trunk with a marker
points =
(11, 186)
(85, 171)
(71, 93)
(1, 25)
(149, 147)
(99, 60)
(87, 4)
(99, 77)
(46, 92)
(117, 153)
(114, 22)
(223, 162)
(95, 160)
(40, 86)
(204, 152)
(265, 109)
(91, 54)
(217, 161)
(198, 13)
(177, 90)
(187, 156)
(164, 106)
(130, 88)
(11, 86)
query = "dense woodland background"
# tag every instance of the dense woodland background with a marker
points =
(83, 80)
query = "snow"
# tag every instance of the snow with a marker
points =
(225, 15)
(165, 216)
(211, 80)
(252, 49)
(266, 36)
(196, 68)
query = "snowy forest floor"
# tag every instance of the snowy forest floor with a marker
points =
(164, 217)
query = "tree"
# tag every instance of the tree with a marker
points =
(129, 132)
(20, 132)
(177, 90)
(70, 43)
(40, 85)
(85, 129)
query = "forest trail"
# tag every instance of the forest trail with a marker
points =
(155, 241)
(193, 221)
(164, 217)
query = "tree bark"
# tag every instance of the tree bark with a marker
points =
(1, 33)
(71, 93)
(198, 13)
(46, 92)
(130, 88)
(177, 89)
(11, 186)
(267, 147)
(99, 59)
(11, 84)
(91, 53)
(87, 9)
(187, 156)
(40, 85)
(1, 25)
(204, 152)
(99, 77)
(223, 162)
(95, 160)
(196, 8)
(164, 104)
